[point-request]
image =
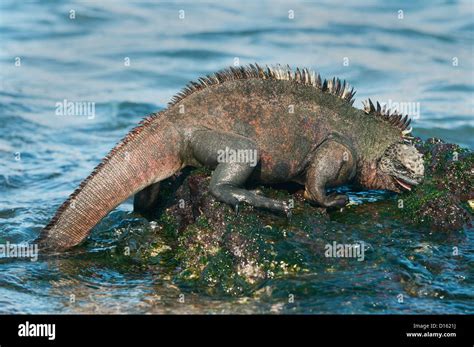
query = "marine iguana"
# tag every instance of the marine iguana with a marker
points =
(301, 129)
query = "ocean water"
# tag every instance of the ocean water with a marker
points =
(128, 58)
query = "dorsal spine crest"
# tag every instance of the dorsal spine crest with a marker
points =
(392, 117)
(303, 76)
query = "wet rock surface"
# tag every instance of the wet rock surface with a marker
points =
(222, 250)
(441, 202)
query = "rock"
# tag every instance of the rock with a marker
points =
(444, 213)
(440, 203)
(218, 249)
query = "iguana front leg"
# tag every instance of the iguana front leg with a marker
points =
(333, 164)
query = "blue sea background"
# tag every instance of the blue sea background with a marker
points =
(46, 57)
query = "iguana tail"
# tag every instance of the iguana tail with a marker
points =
(148, 154)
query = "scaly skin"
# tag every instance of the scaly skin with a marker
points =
(300, 133)
(132, 167)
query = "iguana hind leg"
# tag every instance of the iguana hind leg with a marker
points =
(231, 173)
(146, 201)
(226, 183)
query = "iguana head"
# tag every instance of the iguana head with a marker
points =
(400, 167)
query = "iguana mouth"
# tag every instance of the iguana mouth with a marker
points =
(405, 182)
(404, 185)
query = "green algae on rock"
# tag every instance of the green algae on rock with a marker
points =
(440, 203)
(220, 250)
